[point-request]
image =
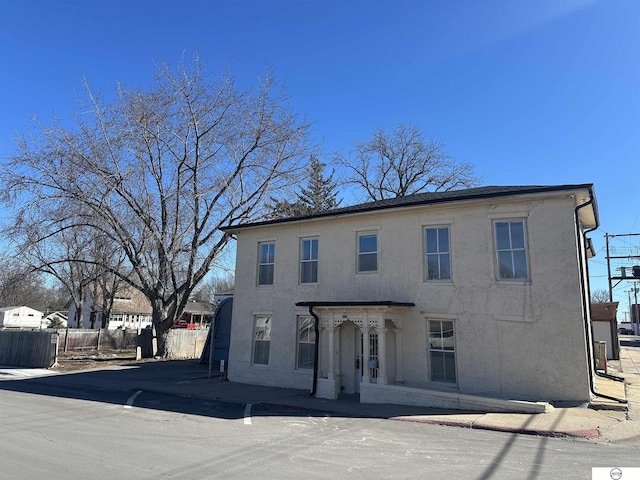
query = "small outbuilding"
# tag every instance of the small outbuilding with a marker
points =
(603, 316)
(20, 317)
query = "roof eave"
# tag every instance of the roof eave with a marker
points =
(375, 206)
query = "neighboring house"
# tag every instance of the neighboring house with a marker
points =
(197, 313)
(59, 317)
(603, 316)
(131, 309)
(220, 296)
(20, 317)
(459, 299)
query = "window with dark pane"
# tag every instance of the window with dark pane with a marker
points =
(437, 253)
(262, 339)
(511, 251)
(306, 342)
(266, 262)
(442, 350)
(309, 260)
(368, 252)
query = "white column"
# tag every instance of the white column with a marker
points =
(382, 355)
(321, 372)
(337, 356)
(365, 355)
(332, 353)
(399, 371)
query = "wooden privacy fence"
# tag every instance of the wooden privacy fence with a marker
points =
(25, 348)
(73, 340)
(39, 348)
(181, 343)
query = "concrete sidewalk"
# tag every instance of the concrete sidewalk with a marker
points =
(605, 421)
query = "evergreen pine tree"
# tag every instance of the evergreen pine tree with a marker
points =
(319, 195)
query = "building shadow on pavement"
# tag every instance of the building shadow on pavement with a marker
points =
(184, 386)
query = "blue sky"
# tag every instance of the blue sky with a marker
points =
(530, 92)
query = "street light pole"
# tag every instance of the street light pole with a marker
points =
(609, 268)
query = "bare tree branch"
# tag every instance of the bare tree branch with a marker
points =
(401, 162)
(158, 172)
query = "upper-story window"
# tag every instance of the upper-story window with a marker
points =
(266, 262)
(309, 260)
(367, 252)
(511, 250)
(437, 253)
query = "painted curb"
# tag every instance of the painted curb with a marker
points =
(590, 433)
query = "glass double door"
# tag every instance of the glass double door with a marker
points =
(353, 364)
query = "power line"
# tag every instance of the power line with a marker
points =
(634, 222)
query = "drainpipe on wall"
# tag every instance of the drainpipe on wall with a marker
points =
(316, 322)
(586, 303)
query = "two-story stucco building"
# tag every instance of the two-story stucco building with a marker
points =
(472, 299)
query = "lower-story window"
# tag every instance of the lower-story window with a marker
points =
(262, 339)
(442, 350)
(306, 342)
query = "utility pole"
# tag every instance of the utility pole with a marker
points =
(636, 320)
(634, 313)
(609, 268)
(628, 272)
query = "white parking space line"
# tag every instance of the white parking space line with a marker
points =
(247, 414)
(11, 373)
(131, 399)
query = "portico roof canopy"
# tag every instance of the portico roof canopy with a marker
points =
(376, 306)
(379, 303)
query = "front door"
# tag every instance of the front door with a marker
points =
(350, 358)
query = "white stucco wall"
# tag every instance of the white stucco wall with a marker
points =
(520, 339)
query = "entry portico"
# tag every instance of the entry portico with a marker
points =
(357, 355)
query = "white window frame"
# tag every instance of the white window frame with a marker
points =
(440, 253)
(361, 253)
(442, 350)
(309, 261)
(305, 337)
(511, 251)
(264, 264)
(265, 341)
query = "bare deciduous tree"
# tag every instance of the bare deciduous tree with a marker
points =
(157, 172)
(105, 284)
(402, 162)
(213, 285)
(67, 254)
(21, 285)
(600, 296)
